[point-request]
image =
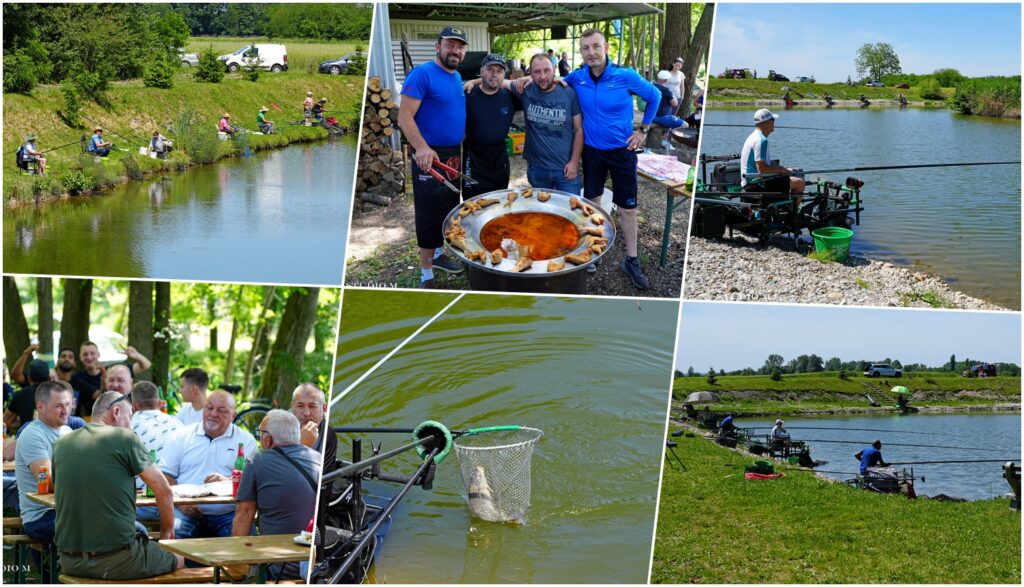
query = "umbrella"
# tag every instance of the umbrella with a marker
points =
(702, 397)
(900, 389)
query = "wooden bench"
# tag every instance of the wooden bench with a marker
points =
(177, 577)
(21, 542)
(12, 522)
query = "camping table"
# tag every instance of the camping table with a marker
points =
(240, 550)
(141, 500)
(673, 190)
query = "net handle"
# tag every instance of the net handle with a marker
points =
(485, 429)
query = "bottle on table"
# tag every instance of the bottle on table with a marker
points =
(236, 472)
(45, 482)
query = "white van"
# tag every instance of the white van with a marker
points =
(272, 57)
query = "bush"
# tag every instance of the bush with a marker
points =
(357, 64)
(46, 185)
(72, 105)
(776, 374)
(77, 182)
(92, 85)
(159, 73)
(930, 90)
(842, 374)
(195, 138)
(948, 77)
(26, 67)
(210, 68)
(711, 377)
(251, 67)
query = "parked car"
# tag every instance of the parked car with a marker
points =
(903, 86)
(271, 57)
(188, 59)
(875, 84)
(337, 66)
(805, 80)
(882, 370)
(776, 77)
(734, 74)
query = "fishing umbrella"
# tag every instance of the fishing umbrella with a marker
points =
(702, 397)
(900, 389)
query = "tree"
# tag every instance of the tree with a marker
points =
(44, 295)
(842, 374)
(210, 68)
(695, 53)
(690, 372)
(952, 362)
(772, 362)
(140, 319)
(876, 60)
(711, 376)
(284, 365)
(814, 364)
(776, 374)
(833, 364)
(16, 336)
(74, 321)
(161, 335)
(948, 77)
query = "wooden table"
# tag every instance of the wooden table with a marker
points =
(240, 550)
(8, 466)
(141, 500)
(673, 190)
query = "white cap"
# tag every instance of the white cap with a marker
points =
(764, 115)
(779, 422)
(663, 75)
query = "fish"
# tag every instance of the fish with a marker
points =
(574, 203)
(496, 256)
(556, 265)
(593, 230)
(469, 208)
(523, 263)
(598, 249)
(596, 240)
(511, 198)
(459, 242)
(597, 219)
(588, 210)
(543, 196)
(485, 202)
(481, 499)
(581, 259)
(477, 255)
(528, 192)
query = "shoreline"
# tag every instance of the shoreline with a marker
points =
(792, 413)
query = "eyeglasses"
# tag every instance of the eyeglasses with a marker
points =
(260, 432)
(123, 398)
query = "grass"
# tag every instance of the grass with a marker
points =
(928, 297)
(304, 56)
(135, 111)
(750, 90)
(714, 526)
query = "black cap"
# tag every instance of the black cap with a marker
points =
(454, 32)
(494, 59)
(38, 371)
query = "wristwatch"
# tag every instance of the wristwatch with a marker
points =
(645, 129)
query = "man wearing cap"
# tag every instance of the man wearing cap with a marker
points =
(756, 162)
(870, 457)
(19, 409)
(668, 104)
(225, 126)
(432, 116)
(159, 145)
(605, 92)
(317, 112)
(779, 434)
(489, 111)
(32, 153)
(307, 108)
(266, 126)
(98, 145)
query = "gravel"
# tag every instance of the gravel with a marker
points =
(738, 269)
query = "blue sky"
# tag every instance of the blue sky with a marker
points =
(822, 39)
(732, 336)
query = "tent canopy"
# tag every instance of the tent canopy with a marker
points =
(511, 17)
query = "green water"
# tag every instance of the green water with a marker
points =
(280, 216)
(592, 374)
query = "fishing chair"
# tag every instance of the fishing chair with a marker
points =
(670, 447)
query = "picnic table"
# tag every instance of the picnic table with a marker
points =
(8, 466)
(141, 500)
(240, 550)
(673, 190)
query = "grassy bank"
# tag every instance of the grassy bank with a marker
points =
(751, 90)
(133, 106)
(826, 391)
(714, 526)
(304, 56)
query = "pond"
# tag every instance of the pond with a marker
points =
(959, 223)
(279, 216)
(592, 374)
(975, 436)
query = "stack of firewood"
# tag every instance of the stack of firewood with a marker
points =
(381, 176)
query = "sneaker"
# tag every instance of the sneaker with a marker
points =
(447, 265)
(428, 284)
(636, 275)
(592, 268)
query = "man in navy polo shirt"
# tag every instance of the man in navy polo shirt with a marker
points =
(433, 118)
(605, 93)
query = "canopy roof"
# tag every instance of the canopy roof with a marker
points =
(512, 17)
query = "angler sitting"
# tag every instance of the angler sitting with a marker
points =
(870, 457)
(30, 153)
(97, 145)
(779, 435)
(757, 163)
(726, 425)
(318, 110)
(266, 126)
(668, 104)
(226, 127)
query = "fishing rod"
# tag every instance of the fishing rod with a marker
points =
(74, 142)
(956, 462)
(776, 128)
(900, 444)
(115, 132)
(851, 429)
(916, 166)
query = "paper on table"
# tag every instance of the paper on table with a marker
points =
(219, 488)
(189, 490)
(663, 166)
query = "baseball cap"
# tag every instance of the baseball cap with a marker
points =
(38, 371)
(764, 115)
(451, 32)
(494, 59)
(663, 75)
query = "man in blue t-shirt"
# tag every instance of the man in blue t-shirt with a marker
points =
(433, 117)
(489, 111)
(98, 145)
(554, 130)
(605, 92)
(668, 105)
(871, 457)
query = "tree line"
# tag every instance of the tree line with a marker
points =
(160, 318)
(776, 364)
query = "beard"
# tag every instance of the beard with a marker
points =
(544, 85)
(452, 60)
(65, 367)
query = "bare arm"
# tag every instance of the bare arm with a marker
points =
(17, 371)
(245, 513)
(156, 481)
(572, 167)
(142, 364)
(34, 466)
(407, 122)
(11, 419)
(763, 167)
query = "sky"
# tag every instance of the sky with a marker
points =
(821, 40)
(733, 336)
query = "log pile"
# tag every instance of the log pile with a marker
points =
(381, 176)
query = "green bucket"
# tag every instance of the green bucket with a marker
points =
(833, 242)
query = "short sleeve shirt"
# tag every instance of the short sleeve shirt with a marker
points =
(441, 117)
(189, 415)
(190, 455)
(755, 149)
(488, 117)
(85, 384)
(665, 106)
(154, 428)
(549, 130)
(869, 457)
(34, 443)
(94, 473)
(23, 403)
(284, 498)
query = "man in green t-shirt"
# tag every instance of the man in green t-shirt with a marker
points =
(94, 471)
(266, 126)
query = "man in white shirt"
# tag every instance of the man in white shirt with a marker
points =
(153, 428)
(755, 162)
(205, 453)
(194, 382)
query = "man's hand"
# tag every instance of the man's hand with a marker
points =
(468, 86)
(308, 434)
(425, 158)
(215, 477)
(636, 140)
(131, 353)
(522, 83)
(191, 511)
(167, 534)
(571, 170)
(30, 349)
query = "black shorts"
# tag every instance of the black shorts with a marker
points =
(620, 164)
(432, 201)
(488, 164)
(775, 184)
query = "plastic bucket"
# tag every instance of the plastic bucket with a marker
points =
(833, 242)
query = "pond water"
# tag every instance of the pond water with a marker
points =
(279, 216)
(976, 436)
(592, 374)
(960, 223)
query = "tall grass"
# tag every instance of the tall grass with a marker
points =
(196, 138)
(989, 96)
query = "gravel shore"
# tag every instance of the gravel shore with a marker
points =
(738, 270)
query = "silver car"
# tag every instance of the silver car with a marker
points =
(188, 59)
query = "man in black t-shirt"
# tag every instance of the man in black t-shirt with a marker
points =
(23, 402)
(489, 112)
(564, 68)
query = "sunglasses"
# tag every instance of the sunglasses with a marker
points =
(260, 432)
(123, 398)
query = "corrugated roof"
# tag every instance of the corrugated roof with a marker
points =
(510, 17)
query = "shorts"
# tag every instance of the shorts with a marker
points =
(488, 164)
(141, 558)
(620, 164)
(432, 201)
